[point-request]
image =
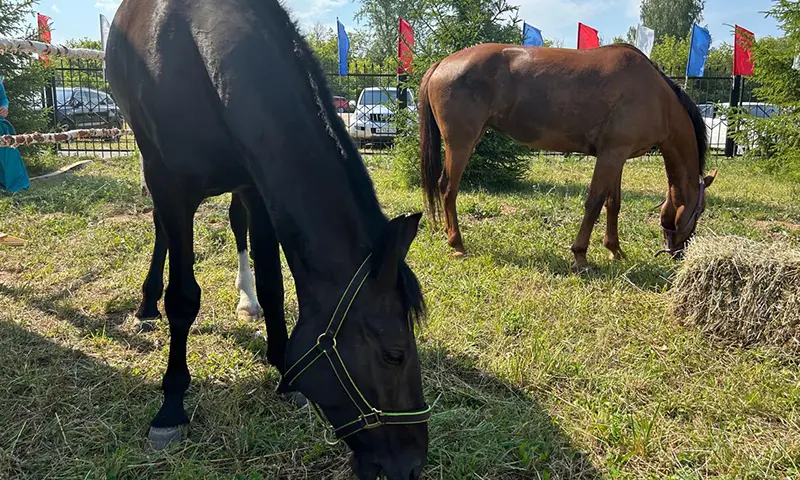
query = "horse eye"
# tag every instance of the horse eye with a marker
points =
(394, 358)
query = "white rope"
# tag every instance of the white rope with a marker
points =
(18, 45)
(15, 141)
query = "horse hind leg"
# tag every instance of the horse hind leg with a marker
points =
(248, 307)
(607, 171)
(613, 204)
(153, 286)
(456, 159)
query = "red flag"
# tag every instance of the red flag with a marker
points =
(743, 51)
(405, 46)
(587, 37)
(44, 33)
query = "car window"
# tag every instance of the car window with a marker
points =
(90, 98)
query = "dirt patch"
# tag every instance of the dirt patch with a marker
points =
(508, 209)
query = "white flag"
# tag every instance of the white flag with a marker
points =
(796, 64)
(645, 38)
(105, 26)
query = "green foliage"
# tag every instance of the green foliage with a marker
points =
(80, 73)
(449, 26)
(24, 78)
(777, 139)
(672, 54)
(671, 17)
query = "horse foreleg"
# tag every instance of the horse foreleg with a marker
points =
(455, 163)
(248, 307)
(613, 204)
(606, 171)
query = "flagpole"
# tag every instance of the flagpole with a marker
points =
(686, 70)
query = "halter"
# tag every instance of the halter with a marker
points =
(688, 223)
(368, 416)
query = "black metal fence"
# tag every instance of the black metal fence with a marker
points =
(79, 98)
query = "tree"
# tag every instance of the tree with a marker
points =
(778, 83)
(449, 26)
(80, 73)
(671, 17)
(25, 78)
(381, 19)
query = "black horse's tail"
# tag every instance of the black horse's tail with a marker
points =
(430, 145)
(700, 132)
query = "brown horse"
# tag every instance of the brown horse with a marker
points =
(611, 102)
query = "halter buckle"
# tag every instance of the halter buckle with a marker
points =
(326, 342)
(372, 419)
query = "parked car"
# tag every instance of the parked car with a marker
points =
(79, 107)
(717, 122)
(341, 104)
(374, 112)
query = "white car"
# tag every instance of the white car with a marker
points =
(717, 122)
(374, 112)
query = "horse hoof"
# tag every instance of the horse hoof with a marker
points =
(162, 437)
(580, 268)
(459, 254)
(249, 314)
(295, 398)
(146, 324)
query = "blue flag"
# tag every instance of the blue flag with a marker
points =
(344, 47)
(531, 36)
(698, 52)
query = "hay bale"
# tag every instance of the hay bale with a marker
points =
(741, 292)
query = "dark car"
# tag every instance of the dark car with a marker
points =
(80, 107)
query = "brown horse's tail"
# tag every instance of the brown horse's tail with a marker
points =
(430, 149)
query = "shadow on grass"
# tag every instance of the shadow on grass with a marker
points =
(73, 414)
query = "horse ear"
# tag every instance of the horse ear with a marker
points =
(709, 179)
(392, 248)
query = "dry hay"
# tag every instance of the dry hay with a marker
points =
(741, 292)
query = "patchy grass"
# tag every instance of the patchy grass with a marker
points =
(538, 373)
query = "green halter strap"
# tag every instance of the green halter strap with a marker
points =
(368, 416)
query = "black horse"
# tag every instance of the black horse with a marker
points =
(153, 287)
(225, 95)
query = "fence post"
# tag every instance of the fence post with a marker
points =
(736, 94)
(402, 91)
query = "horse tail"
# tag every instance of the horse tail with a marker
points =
(430, 149)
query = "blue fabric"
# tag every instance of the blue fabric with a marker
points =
(531, 36)
(698, 52)
(3, 96)
(13, 176)
(344, 47)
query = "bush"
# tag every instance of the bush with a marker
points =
(776, 139)
(446, 26)
(497, 160)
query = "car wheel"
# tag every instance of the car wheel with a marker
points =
(340, 110)
(65, 125)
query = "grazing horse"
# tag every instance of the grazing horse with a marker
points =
(611, 102)
(197, 80)
(153, 285)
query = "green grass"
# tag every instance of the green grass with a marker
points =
(536, 373)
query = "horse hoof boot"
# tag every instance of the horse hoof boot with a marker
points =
(162, 437)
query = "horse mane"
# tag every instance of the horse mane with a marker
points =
(699, 125)
(351, 160)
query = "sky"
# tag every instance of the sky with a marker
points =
(557, 19)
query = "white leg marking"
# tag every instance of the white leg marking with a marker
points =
(245, 283)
